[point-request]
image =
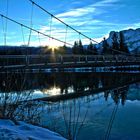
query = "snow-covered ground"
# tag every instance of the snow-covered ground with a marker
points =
(24, 131)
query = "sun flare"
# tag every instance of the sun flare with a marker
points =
(53, 47)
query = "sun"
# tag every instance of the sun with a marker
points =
(53, 48)
(53, 45)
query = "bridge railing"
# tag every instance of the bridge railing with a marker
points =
(8, 60)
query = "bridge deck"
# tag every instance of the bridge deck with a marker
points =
(65, 61)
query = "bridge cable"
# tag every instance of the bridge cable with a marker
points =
(35, 30)
(31, 24)
(4, 27)
(5, 32)
(79, 36)
(121, 52)
(62, 21)
(23, 35)
(111, 122)
(39, 39)
(50, 34)
(2, 22)
(66, 35)
(33, 3)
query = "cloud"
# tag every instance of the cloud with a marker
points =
(44, 29)
(91, 20)
(131, 26)
(137, 25)
(77, 12)
(101, 38)
(81, 19)
(84, 17)
(105, 3)
(92, 8)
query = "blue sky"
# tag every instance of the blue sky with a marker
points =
(94, 18)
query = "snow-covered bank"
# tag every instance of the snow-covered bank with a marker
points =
(24, 131)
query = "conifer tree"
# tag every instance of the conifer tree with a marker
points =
(92, 49)
(105, 47)
(115, 44)
(123, 46)
(80, 47)
(75, 48)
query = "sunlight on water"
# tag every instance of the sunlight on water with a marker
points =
(52, 91)
(56, 91)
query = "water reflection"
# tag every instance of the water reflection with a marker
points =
(90, 114)
(63, 83)
(13, 93)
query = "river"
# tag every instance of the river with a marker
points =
(94, 105)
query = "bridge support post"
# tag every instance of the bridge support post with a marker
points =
(116, 58)
(86, 59)
(78, 58)
(27, 60)
(61, 59)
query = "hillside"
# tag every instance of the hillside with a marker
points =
(131, 39)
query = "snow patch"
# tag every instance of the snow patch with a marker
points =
(24, 131)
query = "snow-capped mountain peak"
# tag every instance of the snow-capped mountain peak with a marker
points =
(131, 39)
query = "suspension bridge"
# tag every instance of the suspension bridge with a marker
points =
(42, 61)
(65, 61)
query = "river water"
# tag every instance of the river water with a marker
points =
(107, 105)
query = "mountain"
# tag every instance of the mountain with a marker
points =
(133, 92)
(131, 39)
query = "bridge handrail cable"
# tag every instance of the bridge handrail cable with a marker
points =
(124, 53)
(62, 21)
(35, 30)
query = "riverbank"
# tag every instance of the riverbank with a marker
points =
(24, 131)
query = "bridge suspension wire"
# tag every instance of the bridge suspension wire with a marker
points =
(7, 6)
(51, 18)
(39, 39)
(79, 36)
(4, 24)
(23, 35)
(111, 122)
(121, 52)
(63, 22)
(125, 53)
(34, 30)
(66, 35)
(31, 24)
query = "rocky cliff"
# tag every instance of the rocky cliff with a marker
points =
(131, 39)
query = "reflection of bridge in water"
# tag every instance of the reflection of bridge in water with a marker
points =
(65, 61)
(70, 85)
(118, 89)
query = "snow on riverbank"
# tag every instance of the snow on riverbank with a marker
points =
(24, 131)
